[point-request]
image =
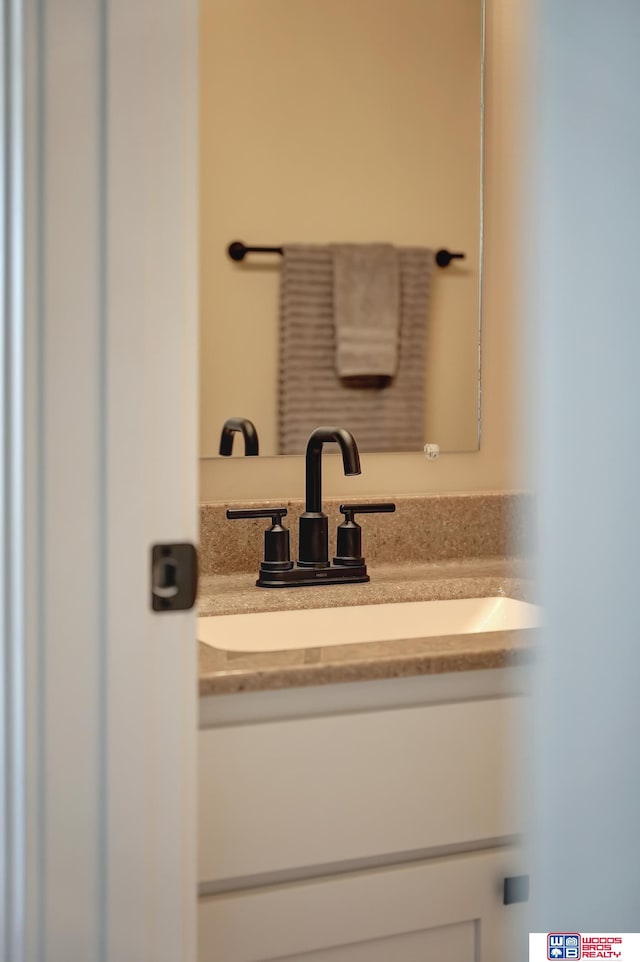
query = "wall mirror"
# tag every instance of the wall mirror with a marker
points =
(329, 123)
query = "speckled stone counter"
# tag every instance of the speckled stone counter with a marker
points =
(427, 528)
(222, 672)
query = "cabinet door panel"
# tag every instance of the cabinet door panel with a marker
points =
(316, 791)
(452, 943)
(389, 914)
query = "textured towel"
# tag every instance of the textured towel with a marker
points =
(311, 392)
(366, 303)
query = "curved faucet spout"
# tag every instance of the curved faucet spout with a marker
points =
(247, 429)
(350, 460)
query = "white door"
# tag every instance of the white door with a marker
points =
(98, 448)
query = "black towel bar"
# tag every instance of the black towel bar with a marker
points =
(237, 251)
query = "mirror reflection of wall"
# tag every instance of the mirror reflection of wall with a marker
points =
(328, 122)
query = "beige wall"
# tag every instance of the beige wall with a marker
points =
(326, 120)
(494, 466)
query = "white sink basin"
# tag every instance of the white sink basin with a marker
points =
(324, 627)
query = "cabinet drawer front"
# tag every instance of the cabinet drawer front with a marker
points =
(312, 792)
(446, 909)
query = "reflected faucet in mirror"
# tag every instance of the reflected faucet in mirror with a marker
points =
(242, 426)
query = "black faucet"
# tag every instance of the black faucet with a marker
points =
(247, 429)
(314, 525)
(313, 567)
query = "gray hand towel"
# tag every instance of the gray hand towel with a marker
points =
(311, 393)
(366, 295)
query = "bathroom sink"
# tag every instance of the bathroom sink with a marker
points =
(324, 627)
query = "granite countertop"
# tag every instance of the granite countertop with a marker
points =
(223, 672)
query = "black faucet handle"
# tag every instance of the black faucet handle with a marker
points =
(349, 541)
(381, 507)
(277, 549)
(276, 514)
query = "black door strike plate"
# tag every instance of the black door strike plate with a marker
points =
(174, 577)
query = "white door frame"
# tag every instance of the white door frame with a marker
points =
(98, 421)
(583, 210)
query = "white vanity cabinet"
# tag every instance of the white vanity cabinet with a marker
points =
(378, 826)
